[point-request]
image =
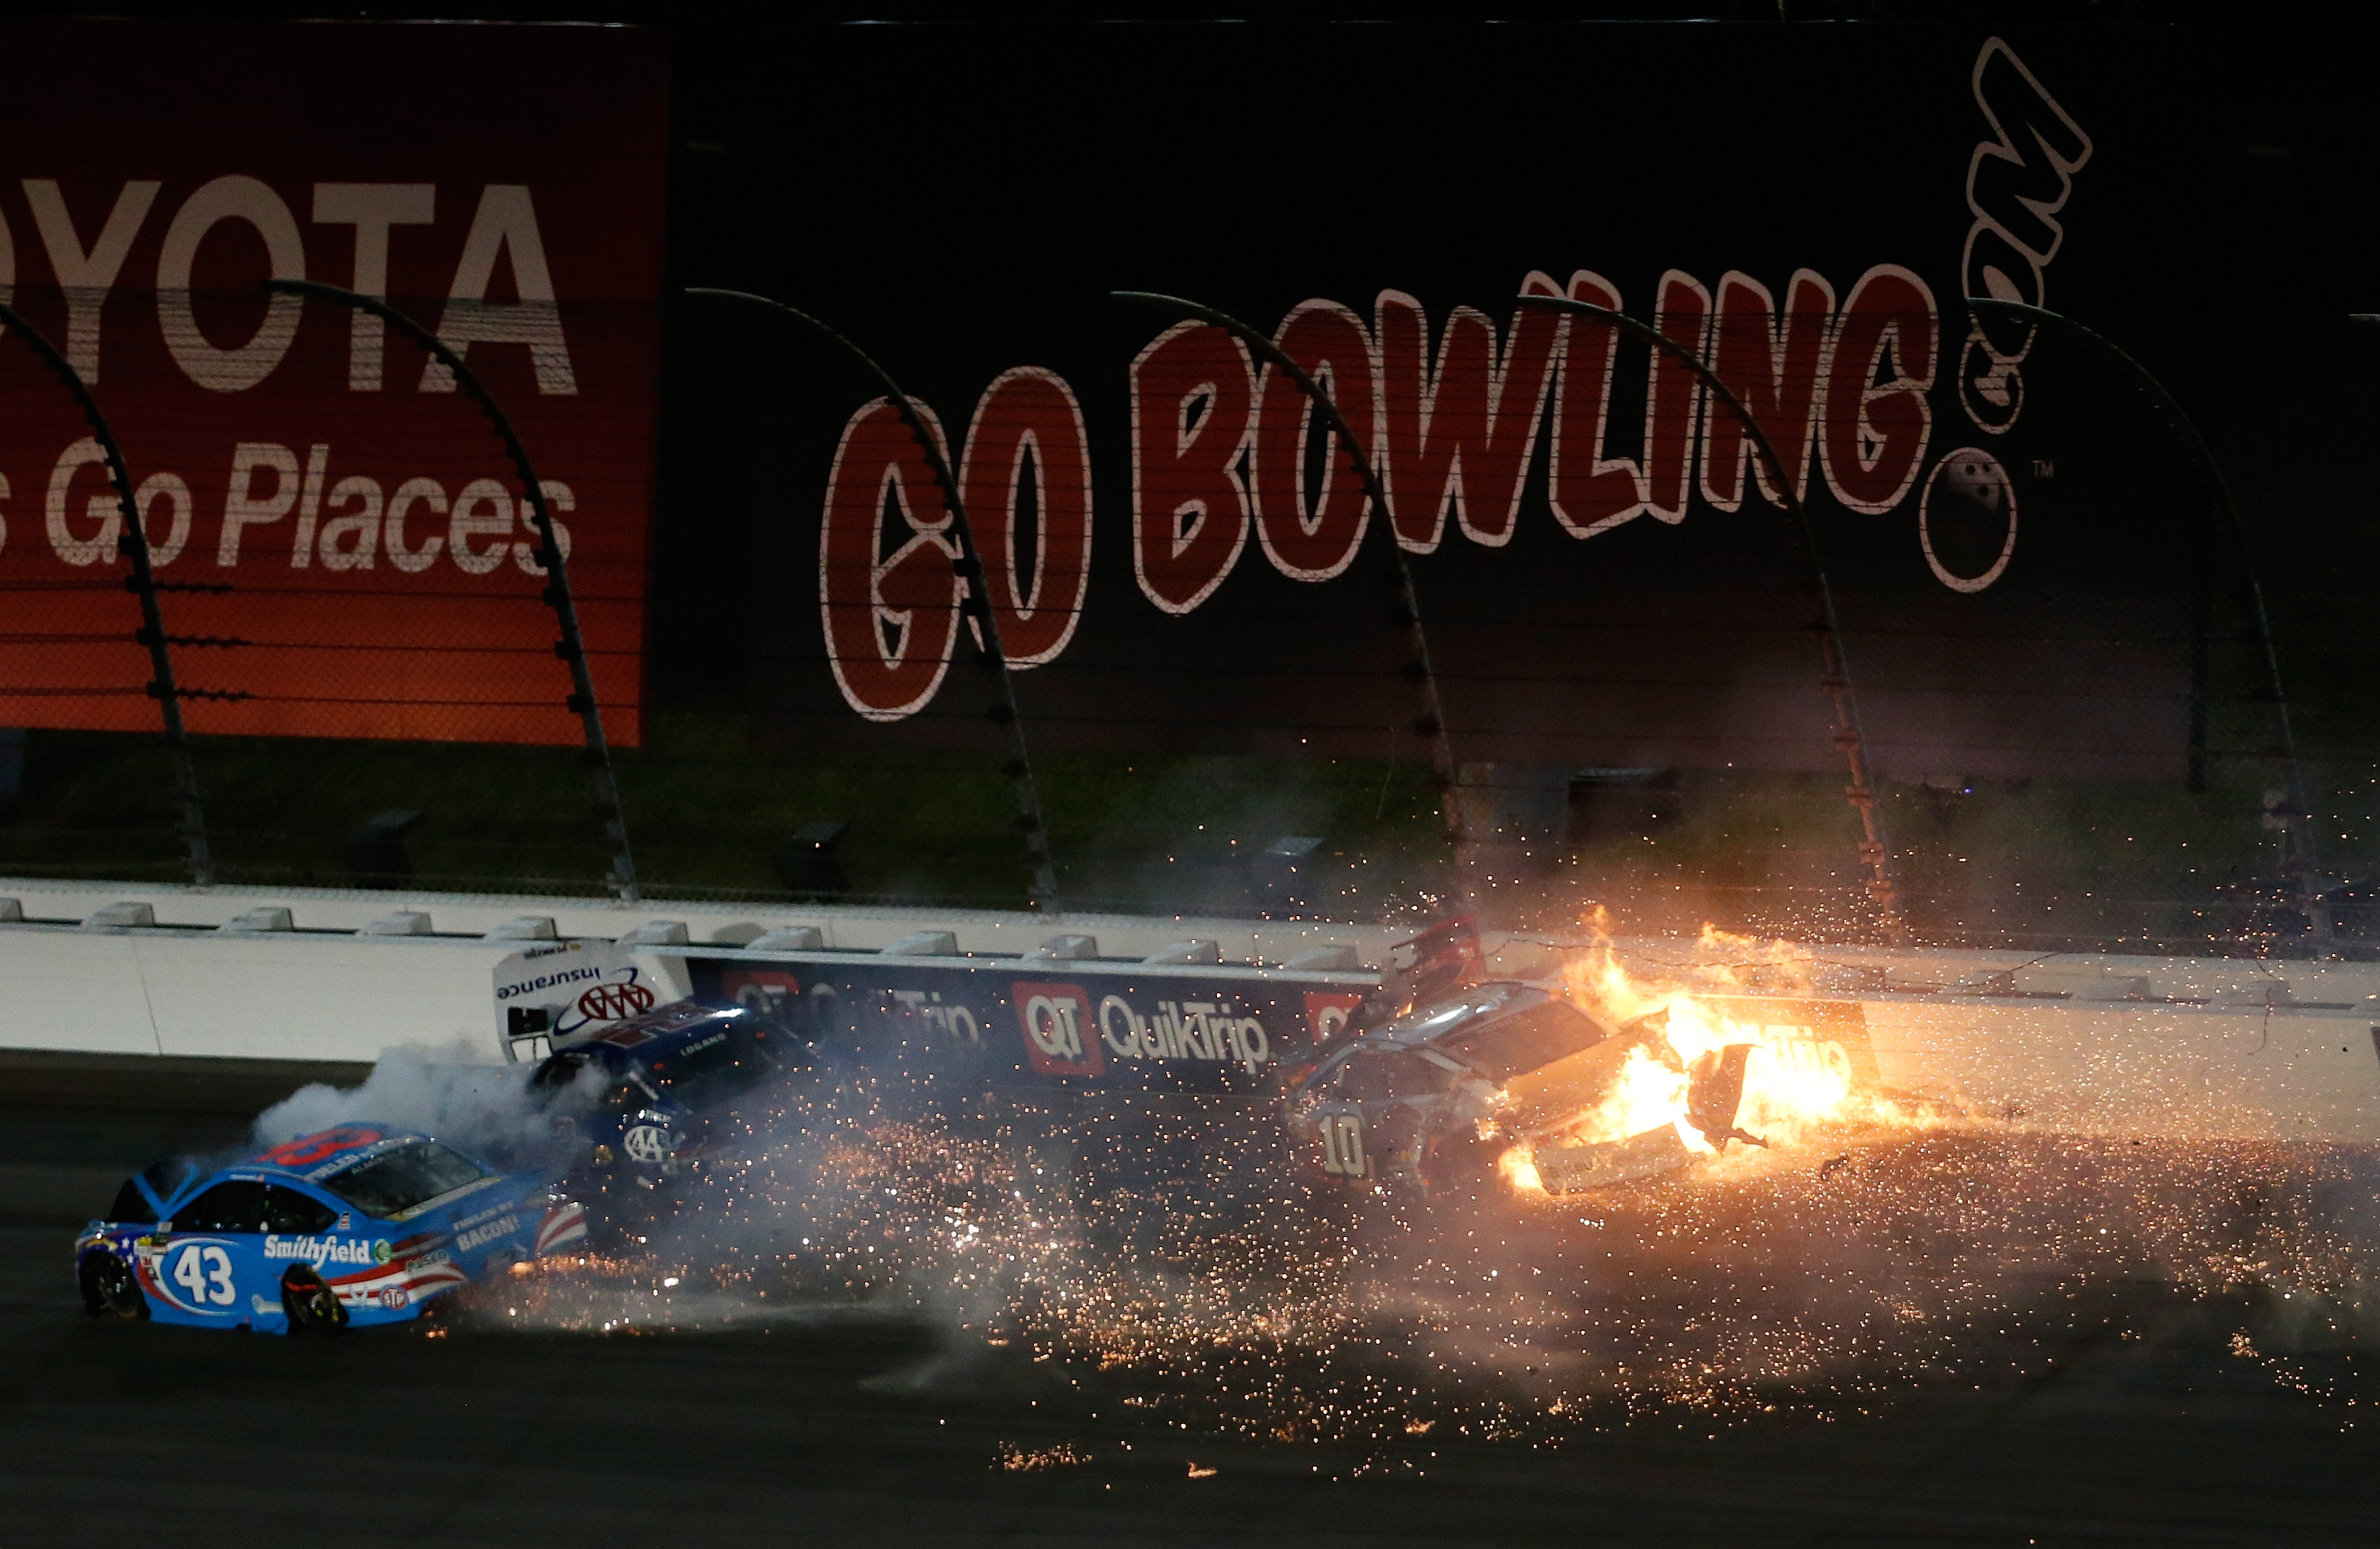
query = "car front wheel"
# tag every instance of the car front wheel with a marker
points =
(310, 1303)
(108, 1290)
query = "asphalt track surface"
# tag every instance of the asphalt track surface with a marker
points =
(124, 1432)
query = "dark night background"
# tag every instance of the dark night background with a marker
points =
(967, 135)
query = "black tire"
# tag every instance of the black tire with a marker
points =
(108, 1289)
(311, 1305)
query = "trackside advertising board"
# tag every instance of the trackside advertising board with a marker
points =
(1009, 1022)
(346, 543)
(1182, 558)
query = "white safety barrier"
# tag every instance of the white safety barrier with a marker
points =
(2100, 1044)
(332, 974)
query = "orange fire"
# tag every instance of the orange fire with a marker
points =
(1793, 1079)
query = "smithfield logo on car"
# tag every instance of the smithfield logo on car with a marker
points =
(320, 1251)
(1056, 1019)
(477, 1236)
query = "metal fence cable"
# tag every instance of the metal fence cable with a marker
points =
(549, 556)
(2298, 834)
(1876, 851)
(974, 593)
(1431, 723)
(133, 543)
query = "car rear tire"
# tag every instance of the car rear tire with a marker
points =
(108, 1289)
(311, 1304)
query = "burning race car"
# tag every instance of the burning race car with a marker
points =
(1503, 1076)
(355, 1225)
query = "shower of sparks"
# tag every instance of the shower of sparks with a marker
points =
(1013, 1458)
(1177, 1265)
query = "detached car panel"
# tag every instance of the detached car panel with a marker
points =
(356, 1224)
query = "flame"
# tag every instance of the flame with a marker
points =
(1519, 1170)
(1792, 1080)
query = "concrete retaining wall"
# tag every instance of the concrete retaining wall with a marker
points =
(2096, 1044)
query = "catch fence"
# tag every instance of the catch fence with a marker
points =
(2126, 753)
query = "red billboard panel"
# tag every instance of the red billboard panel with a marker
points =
(344, 542)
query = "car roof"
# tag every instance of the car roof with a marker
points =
(311, 1158)
(655, 1034)
(1427, 1024)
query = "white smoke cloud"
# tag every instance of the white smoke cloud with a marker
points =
(483, 1110)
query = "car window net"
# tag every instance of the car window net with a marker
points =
(400, 1179)
(1512, 1045)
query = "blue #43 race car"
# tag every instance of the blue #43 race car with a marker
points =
(356, 1224)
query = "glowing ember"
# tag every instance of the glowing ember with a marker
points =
(1025, 1461)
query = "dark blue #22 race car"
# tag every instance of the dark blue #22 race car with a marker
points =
(355, 1224)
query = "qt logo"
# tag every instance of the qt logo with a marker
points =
(1056, 1017)
(1327, 1012)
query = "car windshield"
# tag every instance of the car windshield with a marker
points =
(1521, 1042)
(1478, 1001)
(163, 1178)
(1375, 1074)
(397, 1181)
(713, 1067)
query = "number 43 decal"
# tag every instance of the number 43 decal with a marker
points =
(205, 1273)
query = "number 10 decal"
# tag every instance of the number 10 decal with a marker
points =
(205, 1273)
(1342, 1145)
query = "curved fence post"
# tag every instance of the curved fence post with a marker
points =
(571, 647)
(1850, 739)
(142, 583)
(975, 595)
(1431, 722)
(2299, 831)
